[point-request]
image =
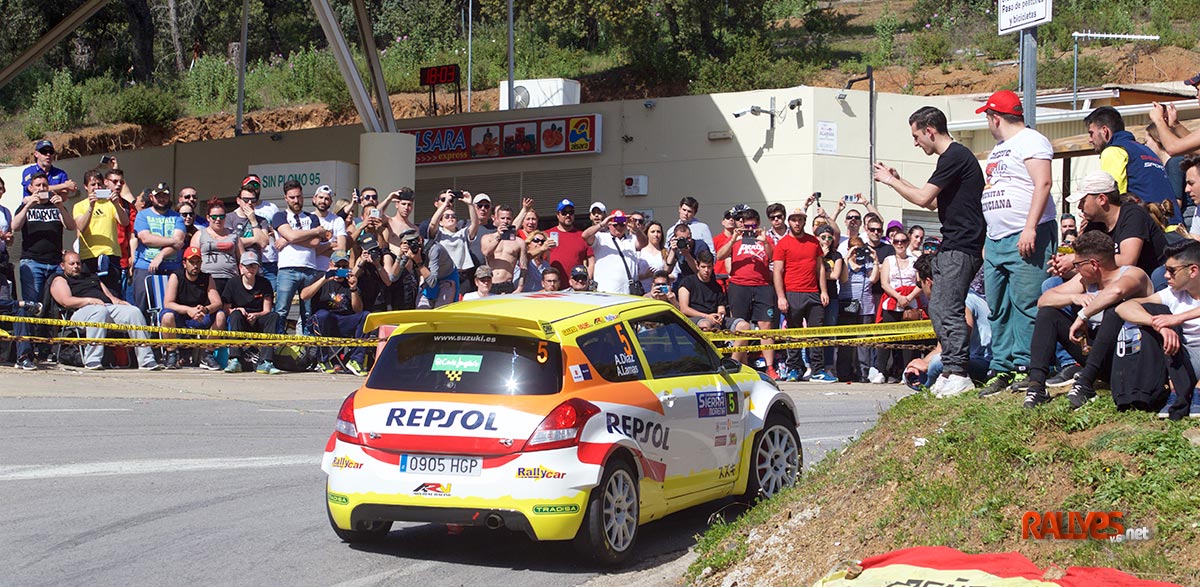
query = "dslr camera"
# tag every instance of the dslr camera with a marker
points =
(683, 243)
(862, 255)
(413, 241)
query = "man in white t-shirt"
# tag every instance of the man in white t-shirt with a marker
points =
(1021, 235)
(616, 247)
(299, 235)
(688, 208)
(1182, 298)
(336, 225)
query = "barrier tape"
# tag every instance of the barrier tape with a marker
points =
(285, 339)
(180, 342)
(860, 341)
(882, 329)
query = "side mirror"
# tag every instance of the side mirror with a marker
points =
(730, 365)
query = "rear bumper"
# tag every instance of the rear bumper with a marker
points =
(489, 517)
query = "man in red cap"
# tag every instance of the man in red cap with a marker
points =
(192, 301)
(1021, 234)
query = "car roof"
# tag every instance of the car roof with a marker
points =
(531, 308)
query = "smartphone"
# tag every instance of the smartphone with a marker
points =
(374, 213)
(103, 194)
(849, 198)
(553, 237)
(817, 198)
(44, 196)
(662, 289)
(106, 160)
(341, 272)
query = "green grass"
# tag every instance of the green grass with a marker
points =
(986, 462)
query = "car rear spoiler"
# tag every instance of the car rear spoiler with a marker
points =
(456, 320)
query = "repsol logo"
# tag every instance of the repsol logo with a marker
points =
(437, 418)
(638, 429)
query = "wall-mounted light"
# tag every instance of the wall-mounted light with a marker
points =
(649, 104)
(758, 110)
(841, 97)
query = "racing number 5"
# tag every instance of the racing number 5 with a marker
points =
(542, 353)
(624, 339)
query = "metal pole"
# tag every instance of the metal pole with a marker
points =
(1029, 75)
(241, 98)
(871, 121)
(470, 23)
(511, 90)
(1075, 76)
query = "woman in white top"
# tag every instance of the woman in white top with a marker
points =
(898, 277)
(916, 236)
(653, 255)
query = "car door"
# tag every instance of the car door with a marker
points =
(703, 408)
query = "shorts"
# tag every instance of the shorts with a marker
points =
(503, 287)
(755, 303)
(729, 324)
(184, 321)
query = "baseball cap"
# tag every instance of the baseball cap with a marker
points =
(160, 188)
(483, 271)
(1003, 102)
(797, 212)
(406, 194)
(565, 203)
(191, 252)
(481, 198)
(618, 217)
(324, 189)
(249, 258)
(1096, 182)
(600, 205)
(1193, 81)
(579, 271)
(43, 145)
(251, 179)
(339, 256)
(893, 225)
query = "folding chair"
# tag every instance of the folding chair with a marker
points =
(156, 294)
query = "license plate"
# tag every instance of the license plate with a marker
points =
(441, 465)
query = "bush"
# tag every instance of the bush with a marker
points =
(1059, 73)
(930, 48)
(885, 37)
(752, 66)
(57, 106)
(146, 106)
(99, 95)
(210, 86)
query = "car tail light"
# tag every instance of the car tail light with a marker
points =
(562, 427)
(347, 431)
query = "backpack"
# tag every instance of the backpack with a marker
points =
(295, 358)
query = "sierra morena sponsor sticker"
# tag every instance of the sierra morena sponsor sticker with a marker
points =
(1076, 525)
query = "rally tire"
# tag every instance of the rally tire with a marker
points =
(363, 533)
(610, 525)
(776, 459)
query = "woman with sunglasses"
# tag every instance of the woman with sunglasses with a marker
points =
(218, 245)
(537, 246)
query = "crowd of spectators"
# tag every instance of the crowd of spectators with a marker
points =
(1017, 293)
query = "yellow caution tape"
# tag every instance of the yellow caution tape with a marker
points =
(886, 328)
(210, 334)
(866, 340)
(182, 342)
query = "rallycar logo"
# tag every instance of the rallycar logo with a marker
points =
(346, 463)
(537, 473)
(434, 417)
(433, 490)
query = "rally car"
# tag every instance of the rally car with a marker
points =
(564, 415)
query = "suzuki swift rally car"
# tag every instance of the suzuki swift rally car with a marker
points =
(564, 415)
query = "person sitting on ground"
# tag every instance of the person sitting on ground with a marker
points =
(76, 289)
(483, 283)
(249, 302)
(660, 288)
(925, 370)
(192, 301)
(1099, 284)
(338, 312)
(703, 301)
(1182, 300)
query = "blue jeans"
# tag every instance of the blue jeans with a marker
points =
(1014, 284)
(340, 325)
(291, 280)
(271, 272)
(34, 276)
(976, 370)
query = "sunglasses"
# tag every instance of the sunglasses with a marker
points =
(1171, 270)
(187, 213)
(370, 196)
(566, 212)
(484, 279)
(874, 230)
(443, 200)
(217, 216)
(483, 205)
(899, 241)
(450, 216)
(247, 200)
(776, 217)
(854, 218)
(539, 241)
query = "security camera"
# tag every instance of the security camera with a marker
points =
(741, 113)
(841, 96)
(794, 104)
(648, 104)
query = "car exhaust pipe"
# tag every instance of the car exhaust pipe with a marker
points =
(494, 522)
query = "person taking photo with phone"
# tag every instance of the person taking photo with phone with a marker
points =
(98, 218)
(40, 218)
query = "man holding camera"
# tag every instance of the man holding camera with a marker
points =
(618, 268)
(684, 251)
(40, 218)
(437, 277)
(504, 252)
(660, 288)
(338, 312)
(99, 217)
(751, 289)
(688, 208)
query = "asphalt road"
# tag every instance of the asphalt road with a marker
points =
(186, 477)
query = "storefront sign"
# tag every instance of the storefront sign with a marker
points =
(565, 135)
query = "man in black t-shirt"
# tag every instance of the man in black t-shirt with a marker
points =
(192, 301)
(955, 190)
(78, 290)
(338, 311)
(703, 301)
(249, 302)
(1138, 238)
(40, 219)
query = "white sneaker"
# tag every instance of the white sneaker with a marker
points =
(955, 385)
(874, 376)
(938, 384)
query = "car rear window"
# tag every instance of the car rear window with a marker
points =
(468, 363)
